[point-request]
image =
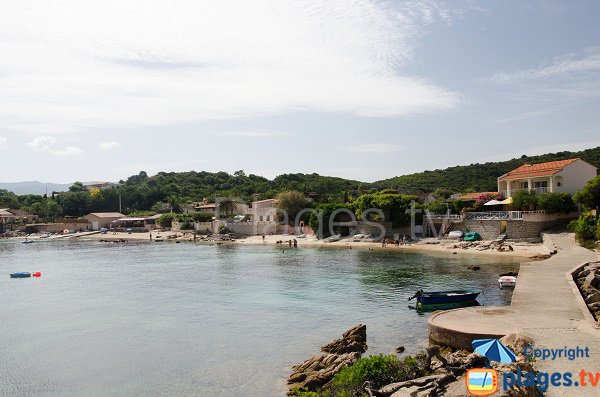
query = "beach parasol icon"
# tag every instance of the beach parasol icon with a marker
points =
(494, 350)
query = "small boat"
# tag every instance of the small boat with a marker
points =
(443, 297)
(455, 234)
(507, 282)
(27, 241)
(20, 275)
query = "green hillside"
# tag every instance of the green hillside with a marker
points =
(476, 177)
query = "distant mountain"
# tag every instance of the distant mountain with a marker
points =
(35, 187)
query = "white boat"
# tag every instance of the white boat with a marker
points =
(333, 238)
(455, 234)
(507, 282)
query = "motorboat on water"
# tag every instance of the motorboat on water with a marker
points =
(507, 282)
(445, 297)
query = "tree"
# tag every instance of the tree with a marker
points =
(292, 202)
(586, 228)
(175, 202)
(161, 207)
(393, 205)
(524, 199)
(556, 203)
(77, 187)
(8, 199)
(201, 217)
(166, 220)
(47, 209)
(589, 195)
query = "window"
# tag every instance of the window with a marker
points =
(268, 218)
(260, 218)
(557, 183)
(540, 184)
(524, 185)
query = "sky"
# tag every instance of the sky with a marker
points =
(366, 90)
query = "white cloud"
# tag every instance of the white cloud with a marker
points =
(374, 148)
(255, 134)
(3, 141)
(67, 152)
(566, 67)
(120, 64)
(41, 143)
(110, 145)
(44, 143)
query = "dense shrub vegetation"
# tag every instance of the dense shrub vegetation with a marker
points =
(379, 370)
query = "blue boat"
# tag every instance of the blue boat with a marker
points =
(20, 275)
(445, 297)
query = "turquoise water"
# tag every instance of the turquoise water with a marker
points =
(141, 319)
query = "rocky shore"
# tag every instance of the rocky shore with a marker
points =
(317, 371)
(441, 371)
(588, 281)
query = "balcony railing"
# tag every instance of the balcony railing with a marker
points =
(500, 215)
(539, 190)
(448, 217)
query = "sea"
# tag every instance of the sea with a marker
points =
(166, 319)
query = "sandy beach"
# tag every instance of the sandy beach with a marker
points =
(521, 250)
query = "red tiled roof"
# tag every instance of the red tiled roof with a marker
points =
(476, 195)
(534, 170)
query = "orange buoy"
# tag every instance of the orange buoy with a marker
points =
(37, 274)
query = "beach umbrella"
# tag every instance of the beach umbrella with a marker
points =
(494, 350)
(493, 202)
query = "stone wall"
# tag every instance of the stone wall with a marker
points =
(515, 229)
(57, 227)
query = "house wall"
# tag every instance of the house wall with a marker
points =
(101, 222)
(515, 229)
(574, 176)
(56, 227)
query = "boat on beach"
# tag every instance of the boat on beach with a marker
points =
(507, 282)
(445, 297)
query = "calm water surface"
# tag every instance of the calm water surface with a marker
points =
(141, 319)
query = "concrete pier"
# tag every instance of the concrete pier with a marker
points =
(546, 306)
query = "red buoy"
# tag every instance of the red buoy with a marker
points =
(37, 274)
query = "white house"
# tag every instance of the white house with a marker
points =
(567, 176)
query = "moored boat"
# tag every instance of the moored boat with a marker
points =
(20, 275)
(507, 282)
(444, 297)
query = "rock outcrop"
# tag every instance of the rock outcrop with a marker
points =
(318, 370)
(587, 279)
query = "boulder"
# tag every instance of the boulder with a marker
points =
(516, 342)
(353, 340)
(318, 370)
(592, 279)
(593, 298)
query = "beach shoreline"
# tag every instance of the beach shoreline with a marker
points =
(521, 250)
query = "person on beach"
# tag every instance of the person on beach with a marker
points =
(295, 243)
(150, 236)
(263, 237)
(290, 243)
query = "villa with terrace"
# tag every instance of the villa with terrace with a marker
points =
(567, 176)
(503, 219)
